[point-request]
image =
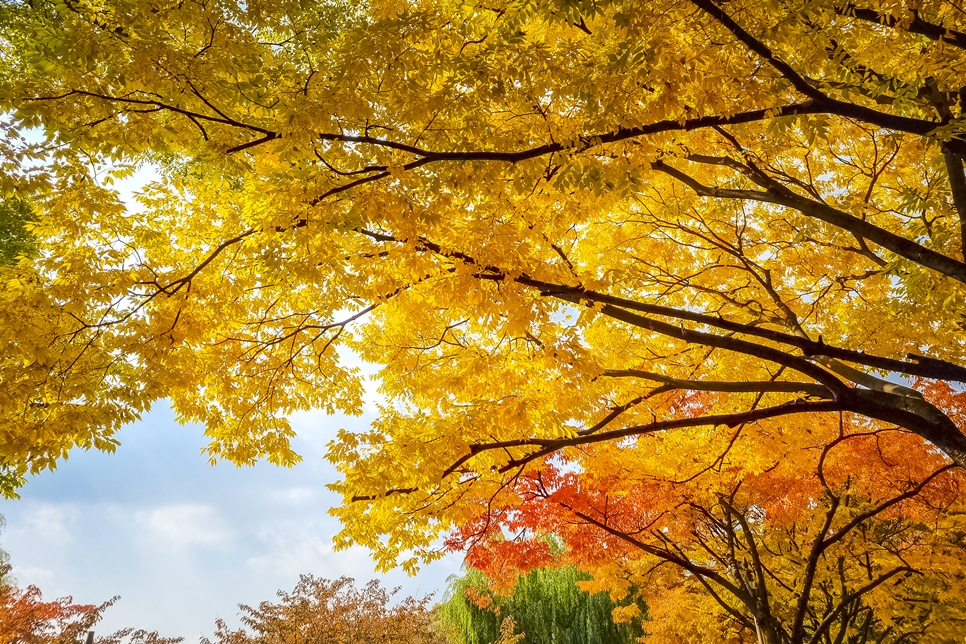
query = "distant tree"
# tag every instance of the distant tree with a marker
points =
(5, 577)
(25, 618)
(139, 636)
(547, 605)
(324, 611)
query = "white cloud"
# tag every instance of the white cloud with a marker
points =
(182, 542)
(290, 550)
(50, 522)
(296, 495)
(187, 524)
(33, 575)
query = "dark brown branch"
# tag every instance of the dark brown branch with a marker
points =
(730, 420)
(373, 497)
(694, 569)
(761, 586)
(610, 417)
(172, 108)
(548, 446)
(271, 136)
(865, 516)
(176, 285)
(957, 185)
(831, 105)
(833, 384)
(917, 26)
(587, 141)
(764, 386)
(761, 49)
(919, 365)
(776, 193)
(814, 555)
(851, 597)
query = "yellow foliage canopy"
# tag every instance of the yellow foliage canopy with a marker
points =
(636, 238)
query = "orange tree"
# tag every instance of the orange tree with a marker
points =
(614, 234)
(25, 618)
(843, 538)
(324, 611)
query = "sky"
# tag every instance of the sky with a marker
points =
(183, 542)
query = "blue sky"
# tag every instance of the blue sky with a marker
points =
(183, 542)
(180, 541)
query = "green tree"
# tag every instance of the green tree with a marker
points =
(15, 237)
(5, 577)
(546, 604)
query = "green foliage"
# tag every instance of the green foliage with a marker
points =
(546, 605)
(5, 577)
(15, 237)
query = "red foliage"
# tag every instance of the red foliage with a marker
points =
(26, 619)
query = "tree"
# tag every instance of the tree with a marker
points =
(5, 577)
(546, 605)
(327, 611)
(613, 234)
(850, 541)
(25, 618)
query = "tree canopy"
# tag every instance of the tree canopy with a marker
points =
(25, 618)
(546, 605)
(593, 246)
(333, 611)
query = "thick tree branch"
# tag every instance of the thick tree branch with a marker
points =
(834, 385)
(764, 386)
(916, 26)
(919, 365)
(755, 45)
(778, 194)
(550, 445)
(833, 106)
(957, 185)
(763, 607)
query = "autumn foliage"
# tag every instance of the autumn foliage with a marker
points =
(324, 610)
(25, 618)
(683, 279)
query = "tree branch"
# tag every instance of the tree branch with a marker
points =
(763, 386)
(851, 597)
(957, 185)
(917, 26)
(833, 106)
(776, 193)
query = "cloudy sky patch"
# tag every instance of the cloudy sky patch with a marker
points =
(183, 542)
(185, 524)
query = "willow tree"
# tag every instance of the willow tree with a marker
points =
(546, 605)
(681, 229)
